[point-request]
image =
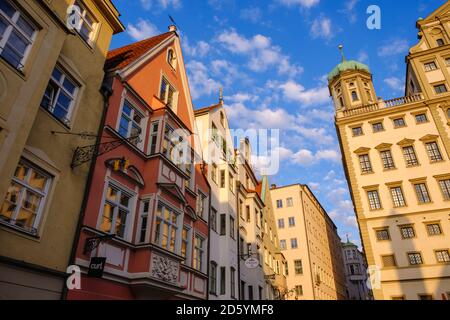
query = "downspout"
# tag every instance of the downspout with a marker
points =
(106, 92)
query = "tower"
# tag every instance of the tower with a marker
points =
(350, 84)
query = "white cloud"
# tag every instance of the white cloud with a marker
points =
(252, 14)
(301, 3)
(241, 98)
(142, 29)
(293, 91)
(201, 84)
(399, 46)
(330, 175)
(314, 186)
(395, 83)
(261, 52)
(200, 49)
(330, 155)
(163, 4)
(321, 28)
(349, 10)
(363, 56)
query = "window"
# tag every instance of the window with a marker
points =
(341, 101)
(171, 145)
(447, 62)
(186, 245)
(130, 123)
(357, 131)
(399, 123)
(410, 156)
(240, 209)
(223, 224)
(171, 58)
(407, 232)
(243, 290)
(299, 291)
(279, 204)
(289, 202)
(260, 291)
(388, 161)
(87, 24)
(440, 88)
(397, 197)
(199, 252)
(25, 197)
(442, 256)
(364, 161)
(283, 245)
(377, 127)
(144, 221)
(188, 170)
(374, 200)
(415, 258)
(421, 118)
(166, 229)
(369, 96)
(213, 278)
(223, 275)
(232, 282)
(440, 42)
(231, 182)
(433, 152)
(448, 113)
(232, 228)
(445, 188)
(298, 265)
(389, 261)
(354, 96)
(281, 223)
(116, 209)
(434, 229)
(167, 93)
(250, 293)
(383, 234)
(430, 66)
(247, 213)
(214, 133)
(294, 244)
(292, 222)
(154, 137)
(201, 199)
(214, 173)
(17, 35)
(213, 219)
(59, 96)
(425, 297)
(422, 193)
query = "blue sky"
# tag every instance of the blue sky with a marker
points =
(271, 57)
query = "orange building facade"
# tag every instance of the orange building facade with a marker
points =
(148, 204)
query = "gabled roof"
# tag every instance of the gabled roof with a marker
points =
(121, 57)
(208, 109)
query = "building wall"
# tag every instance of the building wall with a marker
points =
(316, 245)
(355, 273)
(404, 279)
(26, 131)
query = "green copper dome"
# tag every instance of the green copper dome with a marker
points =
(346, 66)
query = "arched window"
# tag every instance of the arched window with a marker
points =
(354, 96)
(171, 59)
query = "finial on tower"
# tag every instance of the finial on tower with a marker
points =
(348, 238)
(341, 49)
(221, 95)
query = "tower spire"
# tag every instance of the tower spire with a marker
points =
(341, 49)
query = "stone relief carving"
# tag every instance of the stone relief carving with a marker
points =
(164, 269)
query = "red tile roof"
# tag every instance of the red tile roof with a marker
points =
(259, 188)
(121, 57)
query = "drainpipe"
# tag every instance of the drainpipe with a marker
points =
(106, 92)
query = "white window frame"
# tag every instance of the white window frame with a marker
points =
(43, 194)
(188, 259)
(177, 226)
(201, 251)
(174, 104)
(11, 23)
(92, 27)
(142, 226)
(132, 122)
(153, 138)
(116, 206)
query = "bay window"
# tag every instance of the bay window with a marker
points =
(25, 197)
(130, 123)
(144, 221)
(166, 229)
(186, 245)
(199, 252)
(154, 137)
(60, 94)
(17, 34)
(116, 210)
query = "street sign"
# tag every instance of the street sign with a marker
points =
(252, 263)
(96, 267)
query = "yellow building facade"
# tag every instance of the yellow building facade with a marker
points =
(309, 241)
(396, 156)
(50, 92)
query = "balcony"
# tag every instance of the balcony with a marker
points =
(380, 105)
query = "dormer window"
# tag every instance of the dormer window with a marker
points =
(354, 96)
(171, 58)
(440, 42)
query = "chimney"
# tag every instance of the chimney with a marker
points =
(172, 28)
